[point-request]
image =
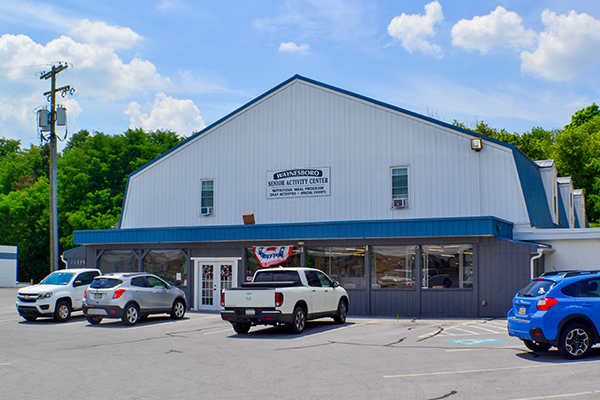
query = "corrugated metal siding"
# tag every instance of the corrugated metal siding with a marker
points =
(403, 303)
(450, 303)
(305, 125)
(503, 272)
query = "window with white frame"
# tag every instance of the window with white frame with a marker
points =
(207, 197)
(400, 187)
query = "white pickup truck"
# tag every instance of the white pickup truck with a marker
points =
(284, 296)
(57, 295)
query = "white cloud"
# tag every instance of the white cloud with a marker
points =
(95, 71)
(180, 116)
(414, 30)
(499, 28)
(101, 34)
(568, 46)
(340, 20)
(291, 47)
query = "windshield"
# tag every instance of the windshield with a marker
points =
(106, 283)
(58, 278)
(537, 288)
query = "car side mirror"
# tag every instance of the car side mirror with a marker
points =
(77, 283)
(336, 284)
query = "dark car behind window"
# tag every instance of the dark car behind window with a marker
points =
(536, 288)
(105, 283)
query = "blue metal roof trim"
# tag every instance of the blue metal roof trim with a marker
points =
(533, 191)
(445, 227)
(8, 256)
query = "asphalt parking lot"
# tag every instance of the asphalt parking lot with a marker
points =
(201, 357)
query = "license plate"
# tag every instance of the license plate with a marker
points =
(96, 311)
(523, 310)
(250, 311)
(97, 296)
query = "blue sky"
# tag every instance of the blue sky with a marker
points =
(182, 65)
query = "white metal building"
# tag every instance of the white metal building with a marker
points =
(8, 266)
(415, 217)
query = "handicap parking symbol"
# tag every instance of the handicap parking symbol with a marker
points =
(472, 342)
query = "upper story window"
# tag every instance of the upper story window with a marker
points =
(207, 197)
(400, 187)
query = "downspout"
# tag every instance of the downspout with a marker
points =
(540, 252)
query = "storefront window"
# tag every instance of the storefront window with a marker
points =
(449, 266)
(393, 267)
(118, 261)
(253, 264)
(171, 265)
(344, 264)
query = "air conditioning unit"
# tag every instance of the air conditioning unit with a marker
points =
(206, 210)
(400, 203)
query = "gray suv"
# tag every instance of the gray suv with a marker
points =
(131, 296)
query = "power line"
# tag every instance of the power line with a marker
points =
(19, 92)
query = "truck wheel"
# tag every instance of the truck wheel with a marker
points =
(575, 341)
(298, 320)
(62, 313)
(342, 312)
(241, 327)
(94, 319)
(131, 315)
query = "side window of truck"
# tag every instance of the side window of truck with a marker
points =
(325, 282)
(313, 279)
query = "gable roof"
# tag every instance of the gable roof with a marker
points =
(528, 170)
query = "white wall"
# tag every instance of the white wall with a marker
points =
(8, 268)
(574, 254)
(303, 125)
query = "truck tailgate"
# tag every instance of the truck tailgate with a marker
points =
(250, 298)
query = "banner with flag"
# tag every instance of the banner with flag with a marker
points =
(268, 256)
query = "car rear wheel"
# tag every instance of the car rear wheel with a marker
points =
(178, 310)
(298, 321)
(342, 312)
(131, 315)
(575, 341)
(535, 346)
(94, 319)
(62, 313)
(241, 327)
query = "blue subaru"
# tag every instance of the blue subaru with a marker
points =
(560, 309)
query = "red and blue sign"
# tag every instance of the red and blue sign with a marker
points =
(268, 256)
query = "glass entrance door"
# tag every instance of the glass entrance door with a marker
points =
(213, 275)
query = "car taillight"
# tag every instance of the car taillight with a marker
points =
(222, 299)
(85, 294)
(546, 304)
(278, 299)
(118, 293)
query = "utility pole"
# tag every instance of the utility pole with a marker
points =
(51, 95)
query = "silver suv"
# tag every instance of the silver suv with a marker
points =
(131, 296)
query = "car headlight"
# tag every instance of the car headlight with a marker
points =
(46, 295)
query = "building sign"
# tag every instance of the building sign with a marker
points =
(301, 182)
(268, 256)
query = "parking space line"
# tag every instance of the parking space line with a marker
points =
(476, 371)
(559, 396)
